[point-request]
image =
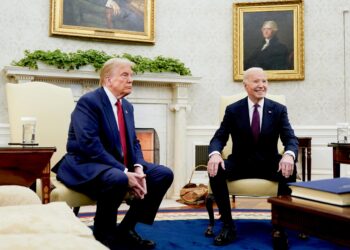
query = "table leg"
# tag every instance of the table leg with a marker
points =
(336, 169)
(303, 163)
(308, 163)
(45, 184)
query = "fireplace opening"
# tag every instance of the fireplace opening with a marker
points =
(149, 144)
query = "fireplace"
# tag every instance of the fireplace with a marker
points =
(160, 102)
(149, 144)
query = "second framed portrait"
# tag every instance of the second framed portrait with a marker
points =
(269, 35)
(123, 20)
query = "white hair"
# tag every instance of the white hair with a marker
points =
(249, 71)
(271, 24)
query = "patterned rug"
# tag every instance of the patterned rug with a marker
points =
(189, 214)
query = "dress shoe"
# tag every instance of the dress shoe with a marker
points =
(226, 236)
(133, 239)
(279, 240)
(106, 239)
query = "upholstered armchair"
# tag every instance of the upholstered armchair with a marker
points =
(52, 106)
(244, 187)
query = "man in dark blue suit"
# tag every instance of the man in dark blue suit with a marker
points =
(105, 165)
(253, 155)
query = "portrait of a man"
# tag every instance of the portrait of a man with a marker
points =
(125, 15)
(268, 40)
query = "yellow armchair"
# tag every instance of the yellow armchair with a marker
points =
(52, 106)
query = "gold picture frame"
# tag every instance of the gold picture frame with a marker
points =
(284, 58)
(127, 20)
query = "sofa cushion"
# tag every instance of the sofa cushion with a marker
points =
(55, 217)
(11, 195)
(48, 241)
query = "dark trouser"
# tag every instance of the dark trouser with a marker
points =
(221, 194)
(158, 179)
(109, 189)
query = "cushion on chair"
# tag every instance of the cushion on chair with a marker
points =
(71, 197)
(11, 195)
(251, 187)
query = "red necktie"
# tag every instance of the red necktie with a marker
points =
(256, 123)
(122, 132)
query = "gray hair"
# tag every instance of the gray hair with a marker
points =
(249, 71)
(271, 24)
(110, 65)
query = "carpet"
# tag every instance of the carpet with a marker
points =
(189, 214)
(251, 234)
(184, 229)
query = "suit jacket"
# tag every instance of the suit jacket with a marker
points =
(93, 140)
(274, 57)
(249, 159)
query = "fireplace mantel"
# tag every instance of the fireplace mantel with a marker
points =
(24, 74)
(167, 89)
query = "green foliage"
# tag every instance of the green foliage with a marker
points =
(75, 60)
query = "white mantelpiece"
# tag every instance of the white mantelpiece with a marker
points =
(163, 92)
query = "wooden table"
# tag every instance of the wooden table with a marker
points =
(329, 222)
(22, 165)
(305, 147)
(341, 154)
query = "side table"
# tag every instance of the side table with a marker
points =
(305, 147)
(22, 165)
(341, 154)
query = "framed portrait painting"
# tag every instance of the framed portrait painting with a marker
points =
(269, 35)
(124, 20)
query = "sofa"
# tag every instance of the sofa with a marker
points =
(27, 224)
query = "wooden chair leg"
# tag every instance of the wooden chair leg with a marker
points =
(76, 210)
(209, 205)
(233, 201)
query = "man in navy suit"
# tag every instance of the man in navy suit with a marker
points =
(251, 157)
(98, 165)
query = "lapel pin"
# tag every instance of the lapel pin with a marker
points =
(270, 112)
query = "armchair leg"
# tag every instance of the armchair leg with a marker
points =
(209, 205)
(234, 201)
(76, 210)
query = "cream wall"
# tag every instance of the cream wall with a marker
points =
(199, 33)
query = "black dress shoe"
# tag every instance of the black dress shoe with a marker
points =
(132, 239)
(106, 239)
(279, 240)
(226, 236)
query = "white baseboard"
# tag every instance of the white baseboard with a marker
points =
(4, 133)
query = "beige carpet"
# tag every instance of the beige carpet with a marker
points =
(172, 210)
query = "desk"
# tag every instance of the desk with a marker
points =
(305, 147)
(315, 218)
(341, 154)
(23, 165)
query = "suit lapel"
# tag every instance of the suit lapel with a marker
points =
(267, 115)
(245, 115)
(114, 135)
